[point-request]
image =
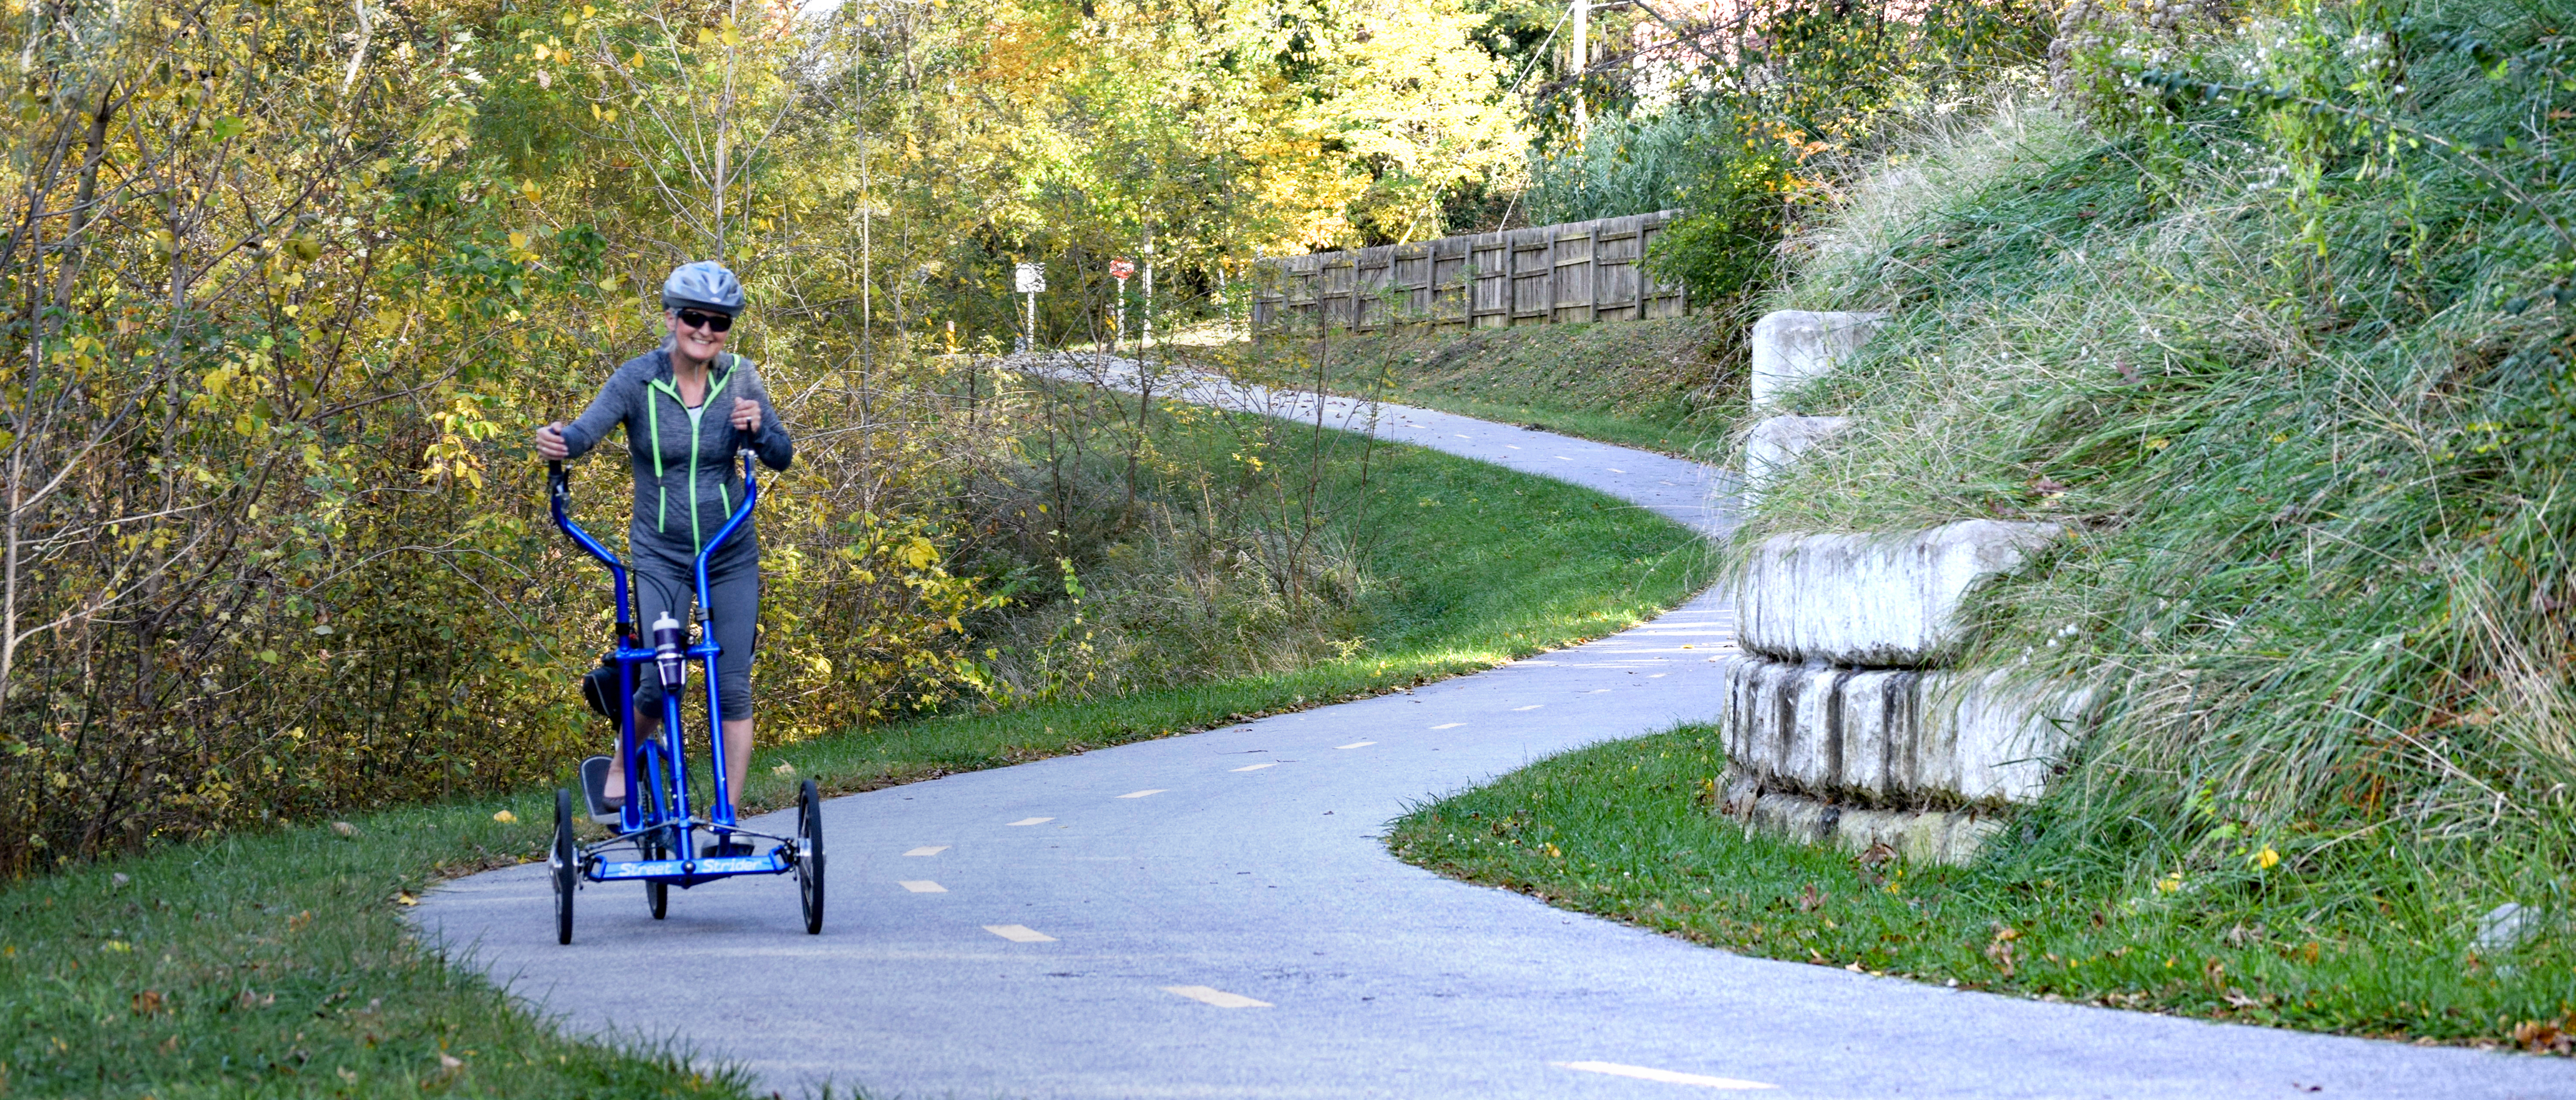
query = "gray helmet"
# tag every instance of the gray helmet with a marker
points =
(705, 285)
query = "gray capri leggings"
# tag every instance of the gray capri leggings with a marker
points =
(668, 582)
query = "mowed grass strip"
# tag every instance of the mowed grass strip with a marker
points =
(1623, 830)
(279, 964)
(1663, 385)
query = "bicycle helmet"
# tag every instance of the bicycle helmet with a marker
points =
(705, 285)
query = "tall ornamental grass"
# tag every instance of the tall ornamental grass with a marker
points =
(2271, 310)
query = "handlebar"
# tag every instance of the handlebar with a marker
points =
(559, 498)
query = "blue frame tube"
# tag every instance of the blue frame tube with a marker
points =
(707, 650)
(665, 763)
(626, 653)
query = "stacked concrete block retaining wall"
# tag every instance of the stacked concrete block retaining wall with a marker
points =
(1886, 601)
(1792, 346)
(1843, 723)
(1894, 737)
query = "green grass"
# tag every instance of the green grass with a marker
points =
(278, 964)
(266, 965)
(1662, 385)
(1624, 830)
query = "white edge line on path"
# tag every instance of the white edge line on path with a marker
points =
(1033, 821)
(1533, 706)
(1143, 793)
(1019, 933)
(928, 850)
(1448, 725)
(1259, 766)
(1217, 997)
(1356, 745)
(921, 886)
(1669, 1077)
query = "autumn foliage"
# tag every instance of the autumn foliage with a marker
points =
(286, 286)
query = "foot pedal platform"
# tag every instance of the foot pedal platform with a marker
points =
(594, 783)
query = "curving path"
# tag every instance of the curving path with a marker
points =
(1214, 916)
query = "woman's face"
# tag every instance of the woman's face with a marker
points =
(699, 342)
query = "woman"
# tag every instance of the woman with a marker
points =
(687, 407)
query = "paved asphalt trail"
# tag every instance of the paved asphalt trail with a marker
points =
(1215, 916)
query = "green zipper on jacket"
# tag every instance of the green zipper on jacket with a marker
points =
(653, 431)
(697, 537)
(724, 491)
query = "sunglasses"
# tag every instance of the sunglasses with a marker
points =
(712, 322)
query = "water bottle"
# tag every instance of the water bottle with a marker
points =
(668, 660)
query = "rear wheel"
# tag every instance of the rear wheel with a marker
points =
(567, 872)
(809, 859)
(657, 894)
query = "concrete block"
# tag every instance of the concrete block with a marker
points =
(1775, 444)
(1894, 737)
(1792, 346)
(1876, 600)
(1950, 837)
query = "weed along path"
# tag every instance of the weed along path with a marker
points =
(1214, 915)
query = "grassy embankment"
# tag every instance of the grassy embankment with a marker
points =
(2311, 439)
(277, 964)
(1648, 384)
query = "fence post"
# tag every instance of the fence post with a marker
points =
(1591, 309)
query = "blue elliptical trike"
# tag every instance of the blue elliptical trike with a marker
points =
(658, 826)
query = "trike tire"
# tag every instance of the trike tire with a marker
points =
(566, 866)
(657, 894)
(809, 863)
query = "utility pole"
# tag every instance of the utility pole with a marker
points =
(1580, 48)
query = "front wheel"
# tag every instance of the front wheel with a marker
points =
(809, 858)
(565, 865)
(657, 893)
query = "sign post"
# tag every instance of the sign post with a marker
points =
(1121, 269)
(1029, 279)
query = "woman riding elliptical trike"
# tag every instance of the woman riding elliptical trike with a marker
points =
(688, 407)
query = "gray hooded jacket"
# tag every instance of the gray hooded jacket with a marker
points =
(686, 480)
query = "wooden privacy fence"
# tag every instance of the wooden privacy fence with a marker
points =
(1578, 271)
